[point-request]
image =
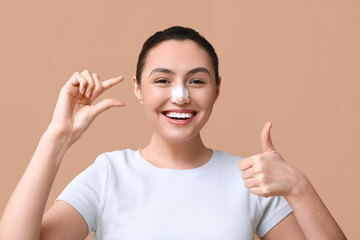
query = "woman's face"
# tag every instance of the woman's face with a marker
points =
(177, 63)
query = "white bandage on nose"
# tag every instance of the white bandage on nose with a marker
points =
(180, 94)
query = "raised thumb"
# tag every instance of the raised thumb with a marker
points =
(265, 138)
(105, 104)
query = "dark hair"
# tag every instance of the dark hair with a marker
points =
(176, 33)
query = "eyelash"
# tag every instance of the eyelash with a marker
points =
(161, 81)
(198, 81)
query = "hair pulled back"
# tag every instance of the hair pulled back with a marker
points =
(176, 33)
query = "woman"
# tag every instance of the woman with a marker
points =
(175, 187)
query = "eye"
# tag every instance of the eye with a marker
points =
(162, 81)
(197, 81)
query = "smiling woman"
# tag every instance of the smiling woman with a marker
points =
(179, 81)
(174, 187)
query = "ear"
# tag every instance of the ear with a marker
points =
(137, 90)
(218, 89)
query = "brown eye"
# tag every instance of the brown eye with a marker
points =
(197, 81)
(162, 81)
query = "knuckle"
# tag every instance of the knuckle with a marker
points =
(108, 105)
(258, 168)
(91, 85)
(266, 191)
(256, 191)
(258, 159)
(261, 178)
(246, 184)
(80, 78)
(97, 91)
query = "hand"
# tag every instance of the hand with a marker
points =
(267, 174)
(74, 112)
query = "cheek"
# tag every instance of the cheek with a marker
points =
(205, 99)
(155, 95)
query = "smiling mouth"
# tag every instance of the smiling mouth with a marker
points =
(179, 116)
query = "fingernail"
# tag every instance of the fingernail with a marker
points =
(88, 93)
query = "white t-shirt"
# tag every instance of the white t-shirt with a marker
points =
(124, 197)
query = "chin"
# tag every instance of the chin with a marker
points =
(180, 137)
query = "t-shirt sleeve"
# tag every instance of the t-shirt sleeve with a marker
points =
(85, 192)
(274, 209)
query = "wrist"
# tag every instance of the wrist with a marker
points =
(51, 148)
(300, 189)
(55, 136)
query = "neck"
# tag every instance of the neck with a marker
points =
(176, 155)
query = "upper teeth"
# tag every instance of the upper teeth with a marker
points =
(179, 115)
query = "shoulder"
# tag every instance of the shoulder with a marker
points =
(117, 162)
(226, 157)
(227, 163)
(115, 156)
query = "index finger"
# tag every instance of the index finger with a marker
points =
(111, 82)
(245, 163)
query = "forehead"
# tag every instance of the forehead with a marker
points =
(178, 55)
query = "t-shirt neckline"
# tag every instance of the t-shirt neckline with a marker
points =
(198, 170)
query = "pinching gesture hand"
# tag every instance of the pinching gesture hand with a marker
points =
(74, 110)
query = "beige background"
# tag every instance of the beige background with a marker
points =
(295, 63)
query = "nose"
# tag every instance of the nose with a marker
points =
(179, 95)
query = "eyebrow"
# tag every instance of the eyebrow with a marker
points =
(192, 71)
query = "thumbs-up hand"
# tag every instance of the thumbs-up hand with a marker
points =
(267, 174)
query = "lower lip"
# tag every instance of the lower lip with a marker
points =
(179, 122)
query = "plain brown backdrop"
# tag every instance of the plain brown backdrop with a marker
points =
(296, 63)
